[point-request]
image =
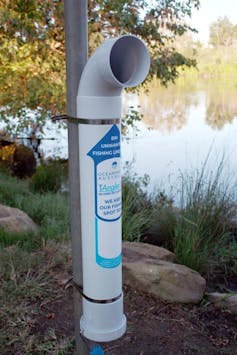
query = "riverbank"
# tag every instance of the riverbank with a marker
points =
(36, 310)
(201, 229)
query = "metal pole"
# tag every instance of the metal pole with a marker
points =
(76, 30)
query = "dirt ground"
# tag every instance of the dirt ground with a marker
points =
(154, 327)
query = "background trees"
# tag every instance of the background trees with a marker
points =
(223, 33)
(32, 59)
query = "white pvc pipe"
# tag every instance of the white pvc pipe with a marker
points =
(116, 64)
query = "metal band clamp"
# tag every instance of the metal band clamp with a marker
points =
(100, 121)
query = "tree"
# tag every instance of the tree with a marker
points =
(32, 59)
(223, 33)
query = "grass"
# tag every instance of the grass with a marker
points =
(48, 177)
(31, 265)
(136, 207)
(203, 231)
(50, 211)
(200, 232)
(28, 280)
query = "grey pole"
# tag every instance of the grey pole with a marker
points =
(76, 30)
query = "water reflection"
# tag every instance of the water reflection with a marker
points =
(221, 106)
(167, 109)
(186, 125)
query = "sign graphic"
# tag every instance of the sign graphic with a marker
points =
(108, 200)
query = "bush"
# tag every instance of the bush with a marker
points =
(146, 218)
(23, 162)
(162, 221)
(11, 189)
(47, 178)
(18, 159)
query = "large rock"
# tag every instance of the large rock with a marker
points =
(163, 279)
(224, 300)
(133, 251)
(15, 220)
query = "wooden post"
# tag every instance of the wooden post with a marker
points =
(76, 30)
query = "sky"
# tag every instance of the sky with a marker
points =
(210, 11)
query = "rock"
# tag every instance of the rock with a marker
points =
(223, 300)
(15, 220)
(166, 280)
(134, 251)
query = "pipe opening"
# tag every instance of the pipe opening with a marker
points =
(129, 60)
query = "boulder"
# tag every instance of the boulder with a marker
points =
(134, 251)
(142, 268)
(224, 300)
(15, 220)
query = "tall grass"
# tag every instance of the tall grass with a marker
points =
(202, 231)
(136, 207)
(146, 217)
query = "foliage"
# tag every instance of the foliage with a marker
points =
(32, 55)
(223, 33)
(228, 257)
(131, 118)
(162, 221)
(23, 162)
(136, 207)
(11, 189)
(19, 159)
(203, 228)
(32, 42)
(47, 178)
(6, 153)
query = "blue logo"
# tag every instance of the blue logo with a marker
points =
(114, 165)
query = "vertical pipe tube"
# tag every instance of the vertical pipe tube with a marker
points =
(118, 63)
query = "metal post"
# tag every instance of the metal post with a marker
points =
(76, 56)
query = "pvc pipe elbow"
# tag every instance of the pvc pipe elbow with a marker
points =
(118, 63)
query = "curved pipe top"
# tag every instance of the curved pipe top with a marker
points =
(118, 63)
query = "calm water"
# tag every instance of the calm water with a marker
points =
(178, 134)
(179, 129)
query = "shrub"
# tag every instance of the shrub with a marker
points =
(47, 178)
(23, 162)
(11, 189)
(162, 221)
(18, 159)
(146, 218)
